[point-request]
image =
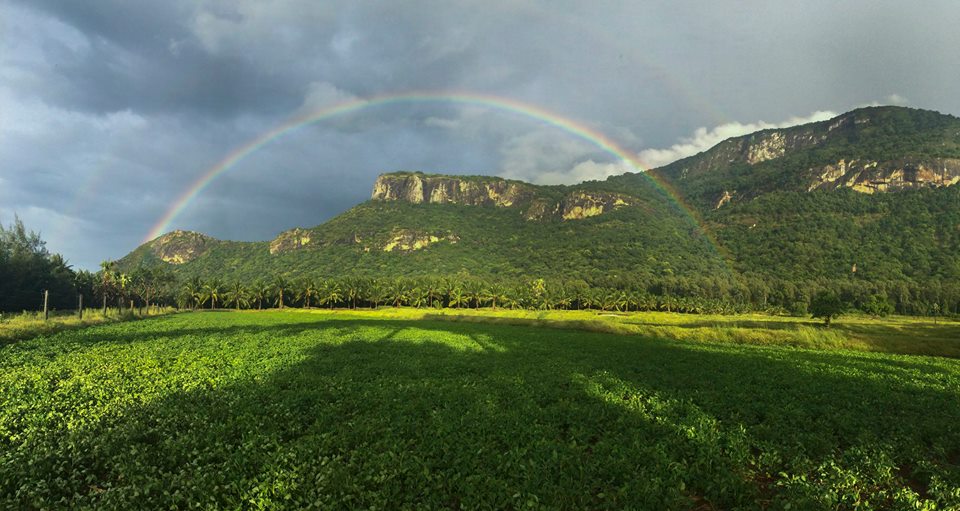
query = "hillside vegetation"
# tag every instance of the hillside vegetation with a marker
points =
(863, 206)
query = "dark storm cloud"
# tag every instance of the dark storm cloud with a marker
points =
(109, 110)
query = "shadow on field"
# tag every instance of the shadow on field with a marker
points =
(396, 414)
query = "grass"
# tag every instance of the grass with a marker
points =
(372, 410)
(15, 327)
(896, 334)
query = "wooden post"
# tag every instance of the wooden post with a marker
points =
(80, 306)
(46, 312)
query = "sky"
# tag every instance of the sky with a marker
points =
(111, 109)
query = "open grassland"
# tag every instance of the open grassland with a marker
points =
(350, 410)
(15, 327)
(897, 334)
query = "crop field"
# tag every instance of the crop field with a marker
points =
(339, 410)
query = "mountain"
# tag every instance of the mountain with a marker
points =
(868, 195)
(421, 224)
(868, 150)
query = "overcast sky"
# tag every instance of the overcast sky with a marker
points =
(109, 110)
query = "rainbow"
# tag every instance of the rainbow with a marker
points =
(537, 113)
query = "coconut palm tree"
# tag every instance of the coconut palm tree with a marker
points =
(377, 293)
(280, 286)
(495, 293)
(560, 298)
(434, 290)
(458, 298)
(308, 291)
(475, 291)
(511, 301)
(353, 291)
(399, 292)
(330, 293)
(237, 295)
(259, 291)
(105, 284)
(193, 292)
(213, 290)
(122, 284)
(418, 297)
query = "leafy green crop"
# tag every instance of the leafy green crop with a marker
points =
(298, 410)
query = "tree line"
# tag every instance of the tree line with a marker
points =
(144, 287)
(27, 269)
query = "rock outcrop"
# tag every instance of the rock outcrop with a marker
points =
(178, 247)
(579, 205)
(889, 176)
(725, 198)
(406, 240)
(418, 188)
(750, 149)
(287, 241)
(472, 191)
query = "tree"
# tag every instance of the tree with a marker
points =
(353, 290)
(418, 297)
(308, 291)
(213, 290)
(259, 291)
(122, 281)
(148, 281)
(330, 294)
(826, 305)
(237, 295)
(105, 282)
(495, 294)
(377, 293)
(434, 292)
(193, 291)
(399, 292)
(878, 305)
(279, 287)
(457, 297)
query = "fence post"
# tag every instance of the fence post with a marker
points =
(80, 306)
(46, 312)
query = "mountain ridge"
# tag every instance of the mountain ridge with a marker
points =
(747, 191)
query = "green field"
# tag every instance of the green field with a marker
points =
(380, 411)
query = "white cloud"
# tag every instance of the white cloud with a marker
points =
(324, 94)
(703, 138)
(550, 158)
(589, 170)
(542, 156)
(893, 99)
(896, 99)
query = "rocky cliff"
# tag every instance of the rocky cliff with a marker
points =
(180, 247)
(872, 176)
(293, 239)
(421, 188)
(869, 150)
(535, 202)
(750, 149)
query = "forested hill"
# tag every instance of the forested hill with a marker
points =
(869, 150)
(867, 195)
